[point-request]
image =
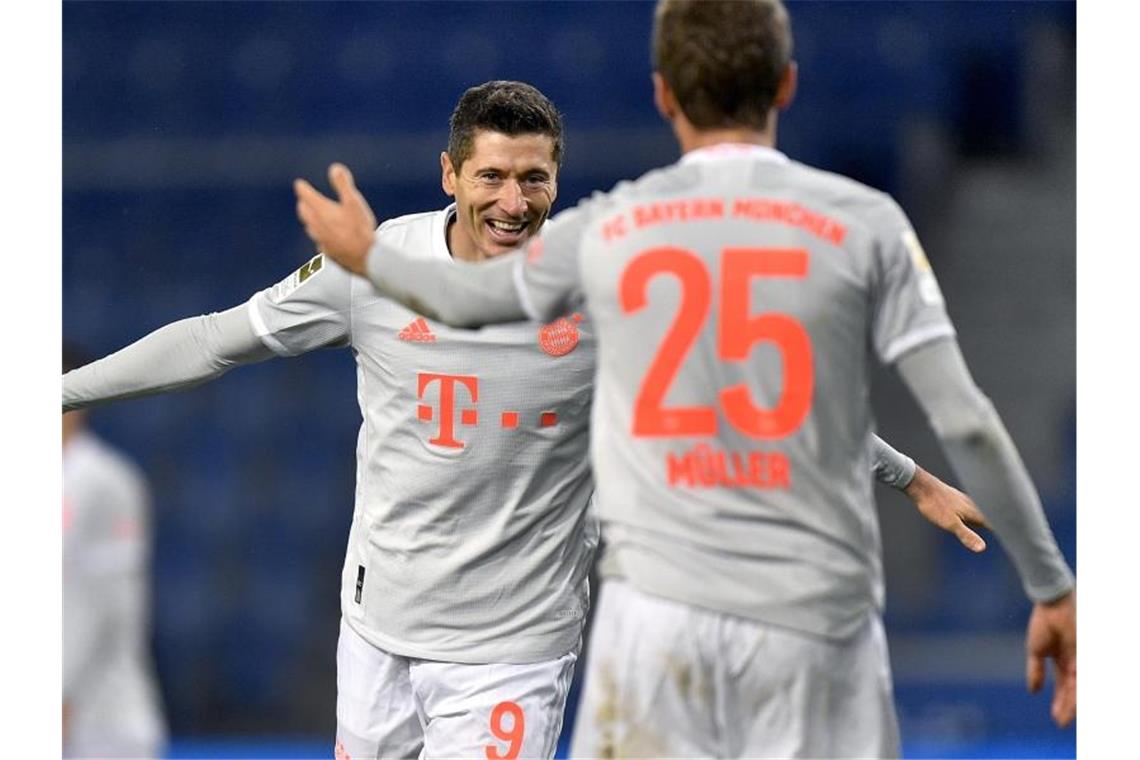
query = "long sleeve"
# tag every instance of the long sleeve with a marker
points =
(535, 283)
(180, 355)
(980, 450)
(891, 467)
(457, 293)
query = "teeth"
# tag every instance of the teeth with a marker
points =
(506, 226)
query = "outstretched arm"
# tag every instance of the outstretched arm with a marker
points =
(984, 456)
(180, 355)
(467, 295)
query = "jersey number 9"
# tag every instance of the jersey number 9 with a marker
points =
(512, 735)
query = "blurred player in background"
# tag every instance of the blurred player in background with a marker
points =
(739, 299)
(464, 590)
(111, 702)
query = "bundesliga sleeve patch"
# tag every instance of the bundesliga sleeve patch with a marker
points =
(286, 287)
(927, 285)
(310, 267)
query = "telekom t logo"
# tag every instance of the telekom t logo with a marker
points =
(445, 410)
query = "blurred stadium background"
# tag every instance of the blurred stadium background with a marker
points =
(184, 123)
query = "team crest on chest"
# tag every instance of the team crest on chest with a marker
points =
(534, 249)
(560, 336)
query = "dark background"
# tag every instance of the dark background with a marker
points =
(184, 123)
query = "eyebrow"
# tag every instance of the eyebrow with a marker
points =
(494, 168)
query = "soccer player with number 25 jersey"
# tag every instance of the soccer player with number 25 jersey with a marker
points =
(464, 589)
(739, 299)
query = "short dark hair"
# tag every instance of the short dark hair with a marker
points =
(512, 108)
(74, 357)
(723, 59)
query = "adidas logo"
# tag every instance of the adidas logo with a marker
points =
(417, 331)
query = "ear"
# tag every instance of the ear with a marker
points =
(786, 90)
(663, 97)
(448, 174)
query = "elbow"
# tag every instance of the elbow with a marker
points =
(975, 424)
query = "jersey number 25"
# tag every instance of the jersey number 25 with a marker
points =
(738, 330)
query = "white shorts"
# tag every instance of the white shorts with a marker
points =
(669, 679)
(393, 706)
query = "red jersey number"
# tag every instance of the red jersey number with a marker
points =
(512, 734)
(739, 329)
(650, 418)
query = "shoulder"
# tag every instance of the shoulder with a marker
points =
(664, 180)
(601, 202)
(412, 228)
(91, 459)
(409, 221)
(320, 280)
(839, 193)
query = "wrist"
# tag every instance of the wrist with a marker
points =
(1068, 598)
(363, 251)
(919, 484)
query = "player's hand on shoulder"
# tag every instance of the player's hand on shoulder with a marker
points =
(948, 508)
(342, 229)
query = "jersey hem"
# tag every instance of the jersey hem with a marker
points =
(840, 632)
(485, 654)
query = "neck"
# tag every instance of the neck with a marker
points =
(692, 138)
(459, 245)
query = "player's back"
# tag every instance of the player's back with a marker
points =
(738, 298)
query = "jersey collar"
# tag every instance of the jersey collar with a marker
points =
(734, 150)
(439, 248)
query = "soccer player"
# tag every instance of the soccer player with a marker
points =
(464, 588)
(739, 299)
(111, 702)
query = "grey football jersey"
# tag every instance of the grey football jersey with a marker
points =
(108, 674)
(740, 299)
(470, 540)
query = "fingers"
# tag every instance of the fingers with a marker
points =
(1064, 708)
(969, 538)
(341, 180)
(351, 199)
(305, 192)
(1034, 673)
(312, 206)
(968, 510)
(309, 200)
(305, 214)
(974, 517)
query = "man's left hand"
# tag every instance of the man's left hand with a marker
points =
(948, 508)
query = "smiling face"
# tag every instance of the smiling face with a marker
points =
(503, 193)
